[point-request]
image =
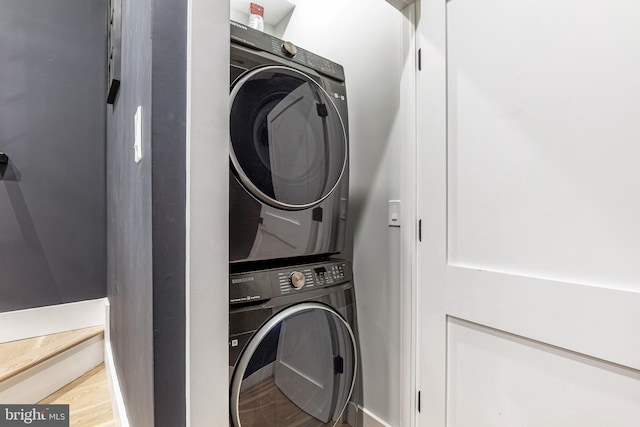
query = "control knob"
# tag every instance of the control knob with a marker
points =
(297, 279)
(289, 49)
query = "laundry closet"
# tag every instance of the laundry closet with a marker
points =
(528, 287)
(372, 42)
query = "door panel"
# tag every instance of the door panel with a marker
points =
(599, 322)
(498, 379)
(529, 285)
(543, 129)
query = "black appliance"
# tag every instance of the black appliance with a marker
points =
(289, 150)
(293, 350)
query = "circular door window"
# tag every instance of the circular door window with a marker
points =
(298, 369)
(288, 142)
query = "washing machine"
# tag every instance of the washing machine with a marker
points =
(293, 349)
(289, 150)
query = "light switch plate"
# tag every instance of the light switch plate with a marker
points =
(137, 144)
(394, 213)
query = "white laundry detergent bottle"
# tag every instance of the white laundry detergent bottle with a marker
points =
(256, 14)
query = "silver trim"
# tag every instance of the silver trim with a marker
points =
(257, 338)
(250, 186)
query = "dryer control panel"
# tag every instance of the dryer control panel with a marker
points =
(254, 286)
(262, 41)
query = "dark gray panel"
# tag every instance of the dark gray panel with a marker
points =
(130, 269)
(169, 208)
(52, 126)
(146, 213)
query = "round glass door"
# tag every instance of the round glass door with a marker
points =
(288, 142)
(298, 369)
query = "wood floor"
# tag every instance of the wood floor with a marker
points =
(18, 356)
(87, 396)
(88, 399)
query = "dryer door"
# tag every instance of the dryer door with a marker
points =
(288, 142)
(298, 369)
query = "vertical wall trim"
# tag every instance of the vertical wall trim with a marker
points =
(115, 392)
(207, 218)
(187, 243)
(119, 409)
(168, 153)
(431, 131)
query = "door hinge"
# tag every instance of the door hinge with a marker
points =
(420, 230)
(419, 407)
(420, 59)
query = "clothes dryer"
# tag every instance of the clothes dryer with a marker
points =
(293, 349)
(289, 150)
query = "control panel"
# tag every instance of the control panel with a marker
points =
(261, 285)
(258, 40)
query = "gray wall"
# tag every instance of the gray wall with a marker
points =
(130, 268)
(146, 216)
(373, 60)
(52, 126)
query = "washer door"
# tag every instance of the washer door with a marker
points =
(288, 142)
(298, 369)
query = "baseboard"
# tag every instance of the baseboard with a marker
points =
(36, 322)
(117, 400)
(369, 419)
(51, 375)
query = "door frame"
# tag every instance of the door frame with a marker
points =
(409, 217)
(431, 137)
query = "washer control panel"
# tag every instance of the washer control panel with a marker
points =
(255, 286)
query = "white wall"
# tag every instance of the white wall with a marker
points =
(366, 38)
(207, 214)
(243, 18)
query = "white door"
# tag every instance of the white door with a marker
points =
(529, 195)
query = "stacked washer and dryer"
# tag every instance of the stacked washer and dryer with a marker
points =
(293, 348)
